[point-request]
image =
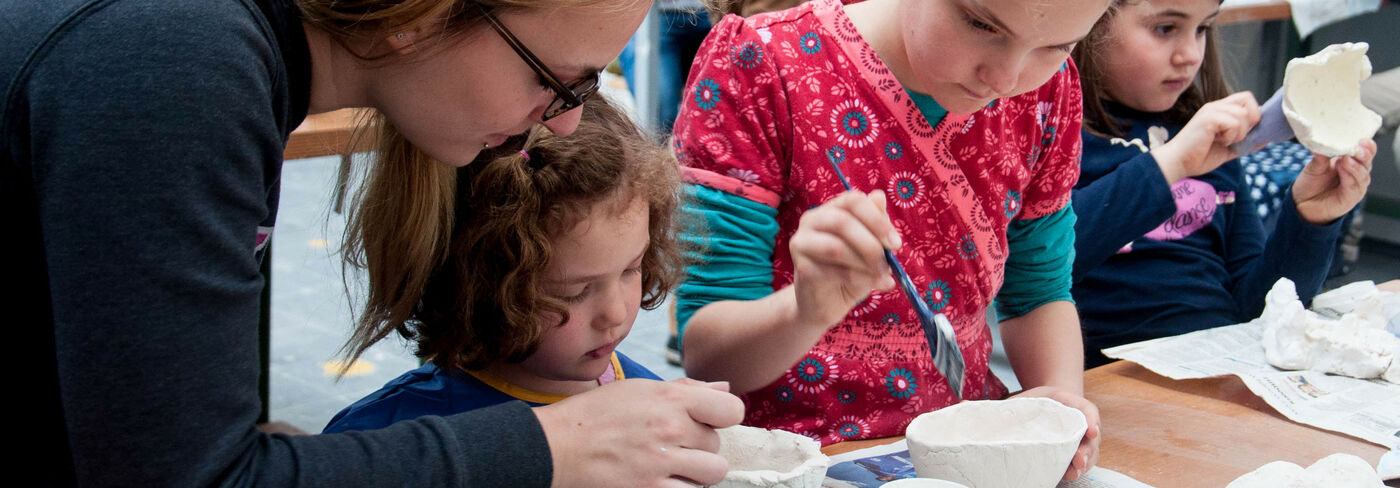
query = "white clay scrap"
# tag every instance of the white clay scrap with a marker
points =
(1278, 474)
(1322, 99)
(1345, 298)
(762, 458)
(1342, 471)
(1336, 471)
(1356, 345)
(1019, 442)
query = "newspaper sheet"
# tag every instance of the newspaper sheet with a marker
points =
(1365, 409)
(874, 466)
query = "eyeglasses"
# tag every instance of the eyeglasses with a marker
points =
(566, 97)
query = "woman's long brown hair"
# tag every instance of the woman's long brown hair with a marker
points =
(400, 220)
(483, 300)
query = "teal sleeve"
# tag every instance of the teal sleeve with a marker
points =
(732, 258)
(1039, 265)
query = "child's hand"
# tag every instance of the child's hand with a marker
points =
(838, 256)
(640, 433)
(1325, 191)
(1088, 452)
(1204, 143)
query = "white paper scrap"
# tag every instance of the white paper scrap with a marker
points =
(1364, 409)
(1309, 15)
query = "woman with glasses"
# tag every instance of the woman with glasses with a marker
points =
(142, 149)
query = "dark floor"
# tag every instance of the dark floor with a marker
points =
(1379, 262)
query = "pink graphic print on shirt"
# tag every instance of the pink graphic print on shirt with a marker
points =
(1195, 207)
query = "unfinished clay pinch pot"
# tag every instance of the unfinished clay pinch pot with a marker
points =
(1322, 99)
(762, 458)
(1014, 443)
(1338, 470)
(922, 483)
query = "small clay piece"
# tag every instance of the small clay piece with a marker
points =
(762, 458)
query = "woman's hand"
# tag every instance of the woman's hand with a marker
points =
(641, 433)
(1325, 191)
(1204, 143)
(1088, 452)
(838, 256)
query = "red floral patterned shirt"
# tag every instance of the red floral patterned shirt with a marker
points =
(773, 100)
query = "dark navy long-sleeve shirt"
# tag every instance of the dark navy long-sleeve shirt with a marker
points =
(140, 152)
(1153, 260)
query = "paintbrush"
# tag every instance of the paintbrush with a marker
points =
(937, 330)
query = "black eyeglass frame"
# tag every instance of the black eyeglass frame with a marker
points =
(566, 97)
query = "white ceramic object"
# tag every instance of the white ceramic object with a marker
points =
(922, 483)
(1014, 443)
(1356, 345)
(1278, 474)
(1322, 99)
(1342, 471)
(1345, 298)
(1336, 471)
(762, 458)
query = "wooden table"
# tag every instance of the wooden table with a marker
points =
(1190, 433)
(326, 134)
(1204, 432)
(1262, 12)
(1254, 12)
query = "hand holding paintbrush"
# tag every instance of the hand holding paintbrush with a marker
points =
(938, 331)
(838, 256)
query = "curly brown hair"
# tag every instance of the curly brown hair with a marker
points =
(1209, 85)
(486, 302)
(401, 218)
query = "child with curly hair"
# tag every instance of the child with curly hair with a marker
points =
(555, 249)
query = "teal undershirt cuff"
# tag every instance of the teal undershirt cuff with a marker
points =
(1038, 267)
(731, 258)
(1042, 250)
(744, 232)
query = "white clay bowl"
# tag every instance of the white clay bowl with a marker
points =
(1015, 443)
(1322, 99)
(762, 458)
(922, 483)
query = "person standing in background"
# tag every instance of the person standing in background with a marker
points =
(683, 27)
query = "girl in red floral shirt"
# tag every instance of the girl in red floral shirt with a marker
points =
(960, 118)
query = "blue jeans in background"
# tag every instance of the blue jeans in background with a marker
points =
(682, 31)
